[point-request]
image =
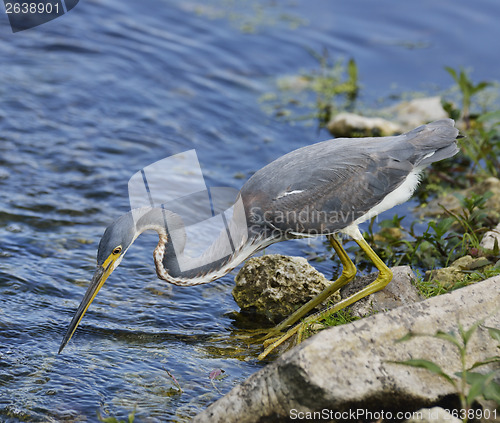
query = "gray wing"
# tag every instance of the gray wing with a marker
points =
(322, 188)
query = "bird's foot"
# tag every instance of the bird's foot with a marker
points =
(271, 341)
(275, 337)
(252, 336)
(270, 338)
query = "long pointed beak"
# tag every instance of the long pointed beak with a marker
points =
(100, 276)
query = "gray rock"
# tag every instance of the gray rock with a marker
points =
(353, 125)
(275, 285)
(406, 116)
(432, 415)
(456, 271)
(400, 291)
(410, 114)
(351, 366)
(470, 263)
(488, 241)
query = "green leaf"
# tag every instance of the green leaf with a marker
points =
(428, 365)
(476, 390)
(406, 337)
(492, 392)
(452, 72)
(481, 86)
(489, 115)
(490, 389)
(442, 227)
(131, 418)
(463, 82)
(494, 333)
(410, 335)
(466, 335)
(449, 337)
(450, 109)
(489, 360)
(386, 223)
(352, 71)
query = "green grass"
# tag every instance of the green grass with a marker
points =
(430, 288)
(446, 239)
(341, 317)
(433, 287)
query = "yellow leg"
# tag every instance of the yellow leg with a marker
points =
(348, 273)
(384, 277)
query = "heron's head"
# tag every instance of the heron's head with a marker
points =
(114, 244)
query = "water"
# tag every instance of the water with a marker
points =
(92, 97)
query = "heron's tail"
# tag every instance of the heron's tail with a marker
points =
(434, 141)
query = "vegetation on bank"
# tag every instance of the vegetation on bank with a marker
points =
(434, 242)
(454, 232)
(427, 243)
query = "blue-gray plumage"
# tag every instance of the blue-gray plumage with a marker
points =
(321, 189)
(343, 177)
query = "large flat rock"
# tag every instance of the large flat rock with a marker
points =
(349, 367)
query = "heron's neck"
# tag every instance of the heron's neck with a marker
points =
(219, 255)
(206, 268)
(157, 220)
(149, 218)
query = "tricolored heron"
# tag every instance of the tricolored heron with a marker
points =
(320, 189)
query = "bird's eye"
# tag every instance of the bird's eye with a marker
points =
(117, 250)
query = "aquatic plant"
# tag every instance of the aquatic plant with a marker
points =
(177, 389)
(131, 418)
(335, 86)
(216, 374)
(316, 94)
(468, 89)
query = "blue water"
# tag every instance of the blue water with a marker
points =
(92, 97)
